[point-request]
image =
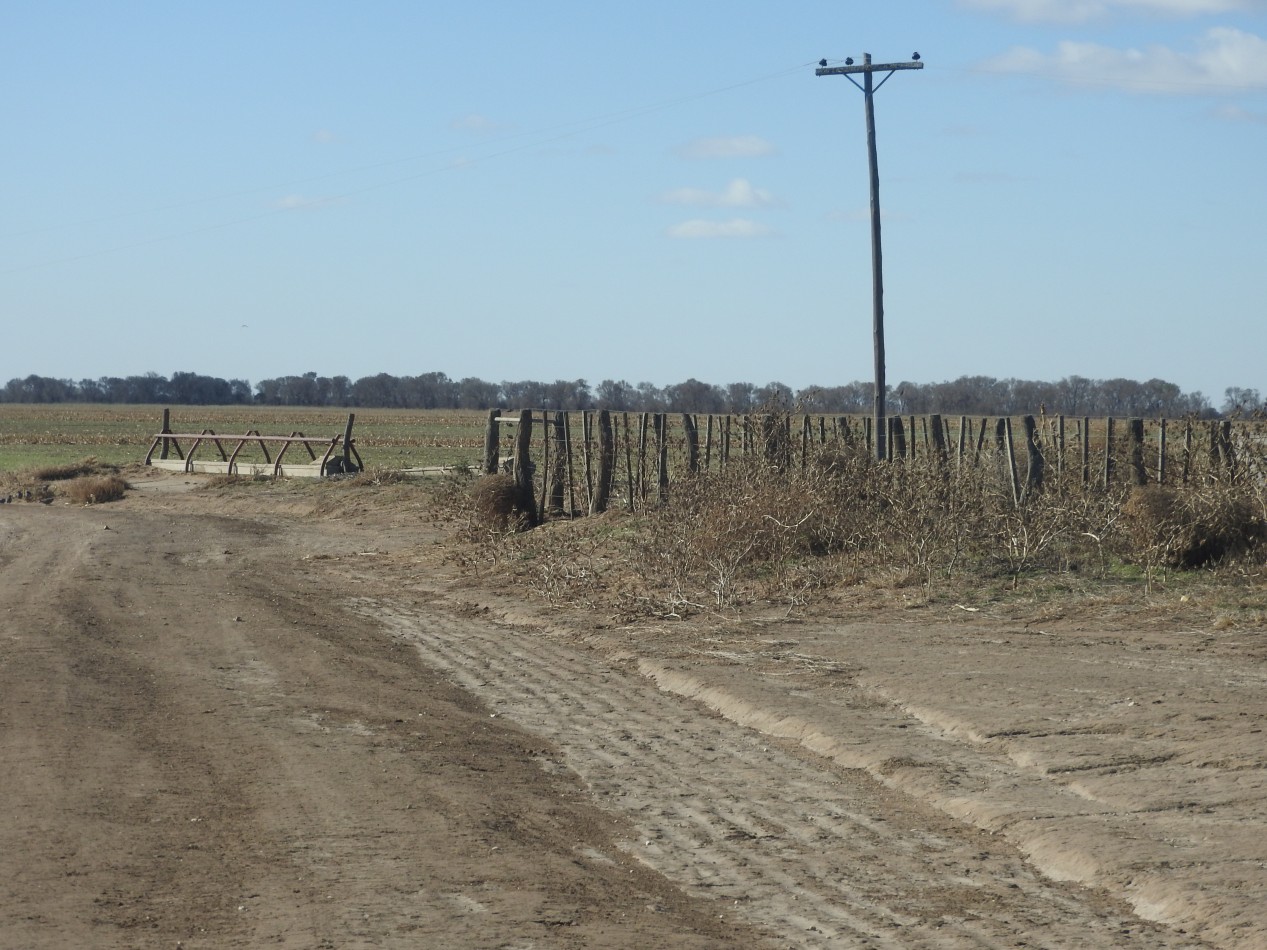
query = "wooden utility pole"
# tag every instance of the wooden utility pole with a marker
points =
(869, 88)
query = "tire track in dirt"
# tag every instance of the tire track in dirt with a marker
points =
(820, 856)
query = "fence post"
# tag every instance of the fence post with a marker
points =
(1109, 466)
(1034, 473)
(662, 454)
(939, 438)
(1009, 448)
(587, 436)
(692, 442)
(1060, 448)
(1135, 427)
(556, 471)
(1161, 452)
(492, 442)
(1085, 448)
(606, 454)
(897, 439)
(522, 468)
(167, 427)
(629, 472)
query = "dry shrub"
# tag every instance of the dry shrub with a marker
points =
(1191, 526)
(96, 489)
(69, 470)
(501, 504)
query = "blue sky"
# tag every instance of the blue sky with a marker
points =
(650, 191)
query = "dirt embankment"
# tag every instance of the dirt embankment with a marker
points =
(235, 723)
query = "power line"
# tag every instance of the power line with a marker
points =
(868, 70)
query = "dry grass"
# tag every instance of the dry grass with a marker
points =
(911, 533)
(96, 489)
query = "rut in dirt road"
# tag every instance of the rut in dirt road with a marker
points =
(820, 857)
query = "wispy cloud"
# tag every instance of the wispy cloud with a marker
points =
(738, 194)
(735, 146)
(302, 203)
(735, 228)
(1082, 11)
(476, 124)
(324, 137)
(1237, 114)
(1225, 60)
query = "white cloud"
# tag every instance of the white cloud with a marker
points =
(738, 194)
(735, 228)
(1081, 11)
(1225, 60)
(735, 146)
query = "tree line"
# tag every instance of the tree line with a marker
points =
(972, 395)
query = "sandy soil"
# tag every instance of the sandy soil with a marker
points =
(244, 720)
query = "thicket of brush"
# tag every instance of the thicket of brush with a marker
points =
(758, 533)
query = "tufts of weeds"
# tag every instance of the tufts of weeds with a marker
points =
(96, 489)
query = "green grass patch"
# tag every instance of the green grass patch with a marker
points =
(37, 435)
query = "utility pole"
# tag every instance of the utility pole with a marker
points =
(868, 70)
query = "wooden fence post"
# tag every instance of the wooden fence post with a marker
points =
(606, 459)
(708, 444)
(1109, 463)
(1135, 428)
(1009, 449)
(1225, 447)
(691, 431)
(492, 442)
(1060, 448)
(1034, 471)
(522, 467)
(662, 454)
(629, 471)
(587, 433)
(1161, 452)
(555, 472)
(643, 421)
(939, 438)
(1085, 449)
(167, 427)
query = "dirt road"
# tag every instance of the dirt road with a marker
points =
(274, 722)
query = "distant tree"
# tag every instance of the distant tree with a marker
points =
(620, 396)
(651, 398)
(774, 396)
(694, 396)
(474, 393)
(740, 397)
(1237, 399)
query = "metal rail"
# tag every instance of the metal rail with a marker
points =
(166, 441)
